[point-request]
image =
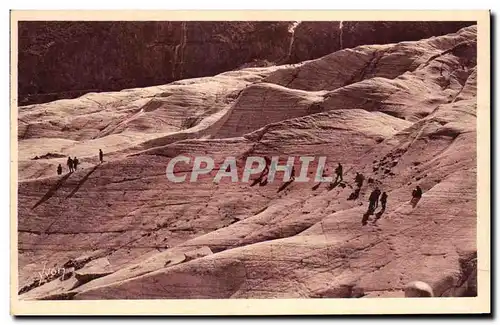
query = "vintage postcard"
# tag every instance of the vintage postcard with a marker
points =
(250, 162)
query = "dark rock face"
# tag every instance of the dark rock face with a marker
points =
(384, 32)
(316, 39)
(67, 59)
(214, 47)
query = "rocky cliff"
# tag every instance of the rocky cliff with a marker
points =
(68, 59)
(401, 114)
(315, 39)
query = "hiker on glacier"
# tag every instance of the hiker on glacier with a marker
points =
(417, 192)
(338, 172)
(383, 200)
(292, 174)
(416, 195)
(59, 169)
(75, 163)
(359, 179)
(70, 164)
(373, 199)
(377, 195)
(263, 174)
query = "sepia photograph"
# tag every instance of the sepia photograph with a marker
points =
(206, 158)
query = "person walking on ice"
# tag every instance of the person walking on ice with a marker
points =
(75, 163)
(415, 196)
(377, 193)
(59, 169)
(101, 156)
(263, 174)
(374, 195)
(70, 164)
(372, 199)
(338, 172)
(383, 200)
(359, 179)
(292, 174)
(417, 193)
